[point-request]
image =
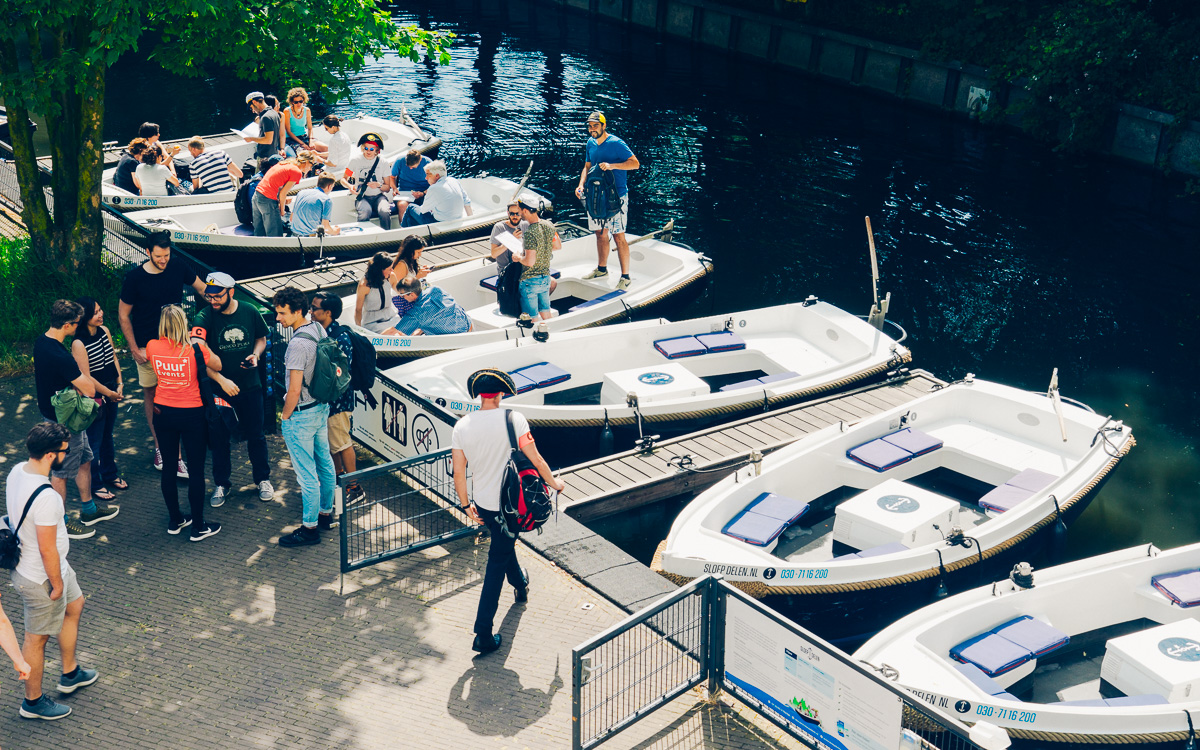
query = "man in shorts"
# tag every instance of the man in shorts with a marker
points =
(326, 309)
(45, 581)
(147, 289)
(609, 153)
(53, 370)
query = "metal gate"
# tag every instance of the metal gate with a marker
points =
(408, 505)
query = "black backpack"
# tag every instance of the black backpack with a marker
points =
(524, 497)
(362, 363)
(10, 544)
(242, 201)
(508, 297)
(600, 195)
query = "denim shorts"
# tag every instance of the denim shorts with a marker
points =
(535, 294)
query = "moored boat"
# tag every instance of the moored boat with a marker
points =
(1104, 650)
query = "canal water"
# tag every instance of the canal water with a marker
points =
(1003, 258)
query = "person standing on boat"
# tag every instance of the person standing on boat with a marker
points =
(480, 440)
(297, 124)
(372, 169)
(212, 171)
(516, 227)
(236, 333)
(270, 197)
(145, 291)
(326, 309)
(408, 181)
(337, 158)
(268, 141)
(610, 154)
(443, 201)
(312, 207)
(538, 242)
(305, 421)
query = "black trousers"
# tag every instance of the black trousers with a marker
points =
(501, 563)
(188, 426)
(248, 406)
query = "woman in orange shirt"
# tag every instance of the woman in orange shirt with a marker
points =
(179, 417)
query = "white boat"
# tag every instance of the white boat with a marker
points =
(659, 269)
(707, 369)
(856, 519)
(214, 227)
(398, 139)
(1104, 650)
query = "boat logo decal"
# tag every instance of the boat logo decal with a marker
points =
(656, 378)
(1183, 649)
(962, 707)
(898, 503)
(769, 573)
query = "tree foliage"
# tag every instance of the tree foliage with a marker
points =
(54, 56)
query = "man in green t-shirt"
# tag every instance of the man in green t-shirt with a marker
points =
(235, 332)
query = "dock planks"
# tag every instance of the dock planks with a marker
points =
(112, 154)
(627, 480)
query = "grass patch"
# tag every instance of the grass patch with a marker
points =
(27, 290)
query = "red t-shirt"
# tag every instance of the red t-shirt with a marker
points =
(276, 177)
(176, 371)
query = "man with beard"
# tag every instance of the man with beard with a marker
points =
(53, 609)
(236, 333)
(147, 289)
(608, 153)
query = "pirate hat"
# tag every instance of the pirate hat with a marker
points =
(490, 380)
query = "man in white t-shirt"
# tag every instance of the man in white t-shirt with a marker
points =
(46, 582)
(480, 440)
(340, 149)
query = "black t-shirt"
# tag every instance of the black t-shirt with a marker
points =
(148, 293)
(269, 122)
(53, 369)
(232, 337)
(123, 178)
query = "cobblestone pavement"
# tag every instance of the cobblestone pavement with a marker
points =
(237, 643)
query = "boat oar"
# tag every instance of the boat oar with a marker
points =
(878, 312)
(667, 229)
(525, 179)
(1054, 398)
(406, 120)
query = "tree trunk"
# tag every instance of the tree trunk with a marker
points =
(34, 211)
(85, 246)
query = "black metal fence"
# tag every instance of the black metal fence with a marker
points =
(408, 506)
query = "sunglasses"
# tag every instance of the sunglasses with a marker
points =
(514, 213)
(297, 101)
(64, 451)
(218, 295)
(369, 148)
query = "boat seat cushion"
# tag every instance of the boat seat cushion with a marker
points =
(993, 654)
(1145, 699)
(544, 374)
(238, 230)
(883, 549)
(768, 379)
(679, 347)
(1098, 702)
(1037, 636)
(765, 380)
(1032, 480)
(1016, 491)
(523, 384)
(914, 441)
(982, 681)
(1181, 587)
(762, 521)
(721, 341)
(879, 455)
(740, 385)
(602, 298)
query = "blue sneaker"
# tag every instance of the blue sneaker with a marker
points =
(83, 677)
(44, 708)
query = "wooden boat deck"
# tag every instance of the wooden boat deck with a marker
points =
(112, 154)
(627, 480)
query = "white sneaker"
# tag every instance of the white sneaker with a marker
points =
(181, 471)
(624, 283)
(157, 459)
(266, 491)
(218, 497)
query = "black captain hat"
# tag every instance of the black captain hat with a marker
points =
(490, 381)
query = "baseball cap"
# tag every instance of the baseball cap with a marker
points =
(597, 116)
(218, 282)
(490, 380)
(529, 205)
(254, 95)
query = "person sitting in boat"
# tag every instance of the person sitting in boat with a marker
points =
(297, 125)
(372, 169)
(312, 207)
(433, 311)
(152, 175)
(130, 158)
(408, 182)
(337, 158)
(151, 132)
(373, 308)
(211, 171)
(443, 200)
(407, 264)
(515, 226)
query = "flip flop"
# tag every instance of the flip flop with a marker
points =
(103, 494)
(119, 484)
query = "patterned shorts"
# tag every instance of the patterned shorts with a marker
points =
(616, 223)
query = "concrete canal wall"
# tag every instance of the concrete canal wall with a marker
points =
(1138, 135)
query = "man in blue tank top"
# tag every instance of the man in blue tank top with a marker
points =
(609, 153)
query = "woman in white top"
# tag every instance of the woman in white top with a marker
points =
(152, 176)
(373, 308)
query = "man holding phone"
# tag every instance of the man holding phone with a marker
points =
(235, 331)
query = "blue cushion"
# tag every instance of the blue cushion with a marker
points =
(1004, 498)
(679, 347)
(1181, 587)
(1033, 634)
(778, 507)
(522, 383)
(544, 374)
(1032, 480)
(721, 341)
(768, 379)
(740, 385)
(490, 282)
(914, 441)
(764, 519)
(991, 653)
(879, 455)
(602, 298)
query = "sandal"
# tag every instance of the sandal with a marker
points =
(119, 484)
(103, 494)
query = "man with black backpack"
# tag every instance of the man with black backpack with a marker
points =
(481, 441)
(326, 309)
(606, 160)
(317, 375)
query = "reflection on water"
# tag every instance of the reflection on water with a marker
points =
(1003, 258)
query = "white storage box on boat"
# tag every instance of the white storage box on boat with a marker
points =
(654, 383)
(1163, 661)
(894, 511)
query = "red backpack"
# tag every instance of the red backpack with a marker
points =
(524, 497)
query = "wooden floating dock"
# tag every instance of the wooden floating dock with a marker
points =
(631, 479)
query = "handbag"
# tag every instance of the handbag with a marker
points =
(73, 411)
(10, 544)
(212, 413)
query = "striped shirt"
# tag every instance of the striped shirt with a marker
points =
(102, 363)
(211, 168)
(435, 313)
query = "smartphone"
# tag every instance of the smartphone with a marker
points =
(245, 363)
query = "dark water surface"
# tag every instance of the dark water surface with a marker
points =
(1003, 258)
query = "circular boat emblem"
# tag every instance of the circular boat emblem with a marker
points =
(769, 573)
(898, 503)
(1183, 649)
(962, 707)
(656, 378)
(116, 200)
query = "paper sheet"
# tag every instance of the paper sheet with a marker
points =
(512, 243)
(250, 131)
